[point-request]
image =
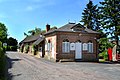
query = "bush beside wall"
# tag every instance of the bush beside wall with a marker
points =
(10, 48)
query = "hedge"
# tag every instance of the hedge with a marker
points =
(10, 48)
(2, 63)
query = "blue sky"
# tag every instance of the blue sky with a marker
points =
(20, 16)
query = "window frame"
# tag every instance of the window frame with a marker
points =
(85, 46)
(65, 46)
(90, 47)
(49, 46)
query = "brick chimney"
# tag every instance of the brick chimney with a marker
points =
(47, 27)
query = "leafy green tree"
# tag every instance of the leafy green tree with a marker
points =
(33, 32)
(25, 34)
(3, 33)
(104, 44)
(53, 28)
(110, 18)
(38, 30)
(12, 42)
(90, 16)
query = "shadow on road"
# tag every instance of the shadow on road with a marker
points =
(10, 63)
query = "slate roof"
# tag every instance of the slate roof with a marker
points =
(38, 41)
(66, 27)
(69, 28)
(31, 38)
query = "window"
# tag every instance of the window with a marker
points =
(65, 46)
(85, 46)
(49, 46)
(72, 46)
(90, 47)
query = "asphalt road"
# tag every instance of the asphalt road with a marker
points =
(25, 67)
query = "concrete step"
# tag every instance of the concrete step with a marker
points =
(67, 60)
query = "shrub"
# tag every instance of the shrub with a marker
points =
(35, 49)
(21, 49)
(13, 48)
(2, 62)
(5, 48)
(103, 55)
(10, 48)
(26, 48)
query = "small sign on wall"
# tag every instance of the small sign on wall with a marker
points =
(84, 46)
(72, 46)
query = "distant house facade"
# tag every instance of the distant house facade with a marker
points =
(71, 41)
(33, 45)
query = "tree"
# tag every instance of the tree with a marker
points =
(104, 44)
(90, 16)
(110, 18)
(3, 33)
(53, 28)
(33, 32)
(25, 34)
(12, 42)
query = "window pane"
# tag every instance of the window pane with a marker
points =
(90, 47)
(68, 46)
(85, 46)
(65, 47)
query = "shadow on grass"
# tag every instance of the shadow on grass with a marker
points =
(10, 63)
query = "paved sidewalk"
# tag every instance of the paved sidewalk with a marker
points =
(25, 67)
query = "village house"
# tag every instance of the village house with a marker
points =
(71, 41)
(33, 45)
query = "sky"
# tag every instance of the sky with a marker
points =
(20, 16)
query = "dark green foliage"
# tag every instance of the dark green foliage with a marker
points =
(11, 45)
(104, 44)
(110, 18)
(12, 42)
(26, 48)
(2, 63)
(3, 33)
(13, 48)
(35, 48)
(33, 32)
(21, 49)
(104, 55)
(90, 17)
